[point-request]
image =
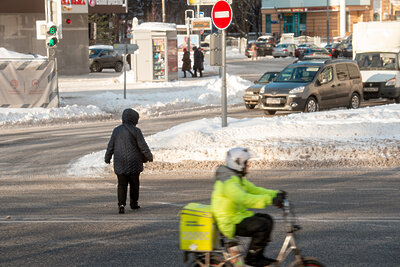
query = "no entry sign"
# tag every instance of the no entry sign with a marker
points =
(221, 14)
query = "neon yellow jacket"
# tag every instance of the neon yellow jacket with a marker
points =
(231, 198)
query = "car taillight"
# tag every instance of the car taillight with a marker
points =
(330, 55)
(333, 49)
(284, 50)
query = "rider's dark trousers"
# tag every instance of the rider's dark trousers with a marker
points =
(133, 181)
(258, 227)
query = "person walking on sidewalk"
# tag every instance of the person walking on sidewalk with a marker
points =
(198, 61)
(130, 151)
(187, 63)
(254, 51)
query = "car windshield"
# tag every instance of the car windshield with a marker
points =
(298, 74)
(267, 77)
(377, 61)
(282, 46)
(94, 52)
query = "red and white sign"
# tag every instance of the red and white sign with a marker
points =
(222, 14)
(92, 3)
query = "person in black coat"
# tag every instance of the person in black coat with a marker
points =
(198, 64)
(130, 151)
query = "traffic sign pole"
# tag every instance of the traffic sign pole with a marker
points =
(222, 18)
(224, 97)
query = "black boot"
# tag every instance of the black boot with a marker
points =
(256, 258)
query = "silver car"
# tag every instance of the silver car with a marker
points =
(284, 50)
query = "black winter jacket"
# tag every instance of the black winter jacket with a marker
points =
(128, 146)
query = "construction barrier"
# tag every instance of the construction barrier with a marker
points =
(28, 83)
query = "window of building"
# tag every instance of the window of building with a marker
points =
(267, 23)
(397, 15)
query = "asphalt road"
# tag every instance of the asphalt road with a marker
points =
(349, 218)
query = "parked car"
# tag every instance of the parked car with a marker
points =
(334, 49)
(268, 39)
(300, 48)
(104, 57)
(263, 49)
(311, 86)
(250, 96)
(347, 50)
(284, 50)
(316, 53)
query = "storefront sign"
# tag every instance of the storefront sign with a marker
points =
(201, 24)
(286, 10)
(74, 6)
(204, 2)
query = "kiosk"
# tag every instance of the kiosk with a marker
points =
(157, 57)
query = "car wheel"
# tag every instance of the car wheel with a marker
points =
(311, 105)
(275, 56)
(270, 112)
(354, 101)
(118, 67)
(95, 67)
(397, 100)
(250, 106)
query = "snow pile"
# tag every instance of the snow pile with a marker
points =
(8, 54)
(366, 137)
(30, 116)
(168, 97)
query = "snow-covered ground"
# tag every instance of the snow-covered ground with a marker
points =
(364, 137)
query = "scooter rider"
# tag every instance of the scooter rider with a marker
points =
(231, 197)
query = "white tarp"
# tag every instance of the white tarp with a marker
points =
(27, 81)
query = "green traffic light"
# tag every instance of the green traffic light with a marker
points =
(52, 30)
(52, 42)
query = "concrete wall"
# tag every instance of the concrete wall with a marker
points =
(73, 49)
(18, 33)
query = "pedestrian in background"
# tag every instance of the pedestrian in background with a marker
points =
(187, 63)
(130, 151)
(198, 65)
(254, 50)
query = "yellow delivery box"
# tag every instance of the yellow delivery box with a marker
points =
(198, 231)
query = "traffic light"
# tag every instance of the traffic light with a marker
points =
(51, 35)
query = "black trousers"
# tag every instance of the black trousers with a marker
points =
(133, 181)
(258, 227)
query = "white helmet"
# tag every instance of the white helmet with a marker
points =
(236, 158)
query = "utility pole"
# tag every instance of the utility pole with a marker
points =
(327, 22)
(163, 11)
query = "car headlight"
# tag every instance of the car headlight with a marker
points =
(262, 90)
(391, 82)
(297, 90)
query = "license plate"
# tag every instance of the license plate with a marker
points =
(371, 89)
(273, 100)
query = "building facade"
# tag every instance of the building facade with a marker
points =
(317, 17)
(18, 29)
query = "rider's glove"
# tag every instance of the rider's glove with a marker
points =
(278, 200)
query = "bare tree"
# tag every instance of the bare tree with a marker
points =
(246, 16)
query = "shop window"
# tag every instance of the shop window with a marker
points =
(397, 15)
(267, 23)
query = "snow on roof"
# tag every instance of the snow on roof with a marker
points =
(8, 54)
(155, 26)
